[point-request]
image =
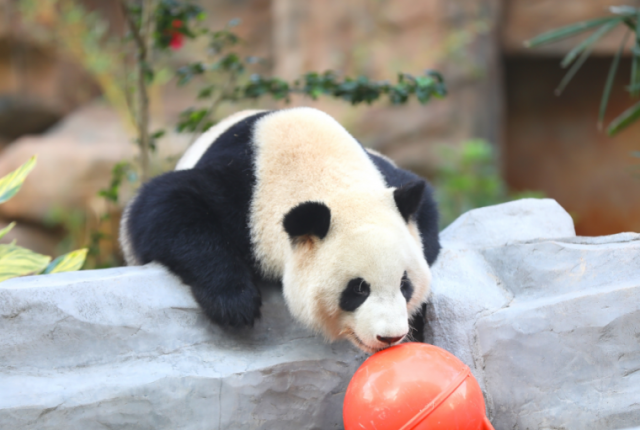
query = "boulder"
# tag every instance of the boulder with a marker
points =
(129, 348)
(548, 322)
(565, 353)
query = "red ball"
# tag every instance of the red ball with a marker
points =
(414, 386)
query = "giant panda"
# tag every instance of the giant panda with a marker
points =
(289, 195)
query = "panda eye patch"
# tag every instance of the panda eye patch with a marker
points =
(354, 294)
(406, 287)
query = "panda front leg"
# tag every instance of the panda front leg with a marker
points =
(183, 221)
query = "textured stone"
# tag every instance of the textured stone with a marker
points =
(466, 286)
(548, 322)
(520, 220)
(565, 353)
(129, 348)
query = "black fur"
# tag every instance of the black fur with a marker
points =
(308, 218)
(195, 222)
(406, 287)
(408, 198)
(427, 213)
(418, 326)
(354, 295)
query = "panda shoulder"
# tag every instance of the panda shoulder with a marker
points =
(200, 146)
(375, 154)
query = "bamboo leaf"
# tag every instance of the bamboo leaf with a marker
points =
(568, 31)
(573, 70)
(586, 43)
(625, 119)
(68, 262)
(7, 229)
(635, 60)
(11, 183)
(623, 10)
(610, 78)
(17, 261)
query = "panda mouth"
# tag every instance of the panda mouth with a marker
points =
(363, 345)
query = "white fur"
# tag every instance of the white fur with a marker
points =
(125, 241)
(303, 154)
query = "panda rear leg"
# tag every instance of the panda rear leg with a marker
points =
(177, 221)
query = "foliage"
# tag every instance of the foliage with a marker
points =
(468, 178)
(625, 16)
(10, 184)
(18, 261)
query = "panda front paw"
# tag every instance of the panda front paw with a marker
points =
(237, 307)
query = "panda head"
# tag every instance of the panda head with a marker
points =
(356, 268)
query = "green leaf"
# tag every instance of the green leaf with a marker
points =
(573, 70)
(17, 261)
(11, 183)
(586, 43)
(625, 119)
(7, 229)
(568, 31)
(635, 61)
(623, 10)
(68, 262)
(609, 83)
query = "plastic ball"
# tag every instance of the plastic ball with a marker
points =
(414, 386)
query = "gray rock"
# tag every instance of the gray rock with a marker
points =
(466, 285)
(525, 219)
(548, 322)
(565, 353)
(129, 348)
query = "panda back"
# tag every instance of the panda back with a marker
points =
(197, 150)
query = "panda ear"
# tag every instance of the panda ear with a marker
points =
(408, 198)
(306, 219)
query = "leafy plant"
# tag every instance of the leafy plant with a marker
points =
(18, 261)
(468, 178)
(625, 16)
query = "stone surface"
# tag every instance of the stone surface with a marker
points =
(497, 225)
(129, 348)
(565, 353)
(548, 322)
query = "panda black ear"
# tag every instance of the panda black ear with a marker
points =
(308, 218)
(408, 198)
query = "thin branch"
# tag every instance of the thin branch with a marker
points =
(140, 37)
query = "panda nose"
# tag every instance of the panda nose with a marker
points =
(389, 340)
